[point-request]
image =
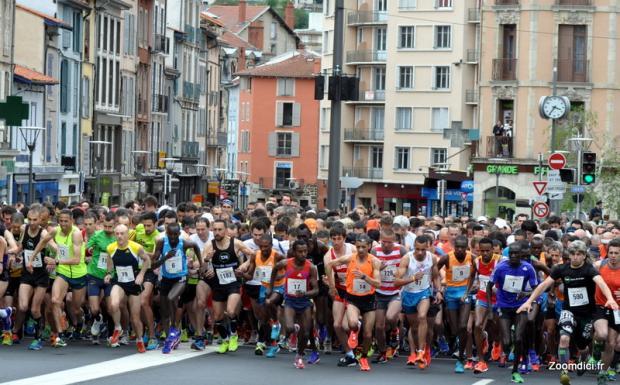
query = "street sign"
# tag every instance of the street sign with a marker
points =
(540, 187)
(556, 196)
(557, 161)
(541, 209)
(554, 182)
(13, 111)
(464, 196)
(540, 198)
(578, 189)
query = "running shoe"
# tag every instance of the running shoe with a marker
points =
(601, 378)
(35, 345)
(114, 341)
(198, 344)
(364, 367)
(184, 336)
(444, 348)
(271, 351)
(283, 343)
(233, 344)
(152, 344)
(611, 374)
(371, 351)
(46, 333)
(390, 352)
(458, 367)
(421, 360)
(516, 378)
(353, 339)
(260, 349)
(411, 360)
(59, 343)
(275, 330)
(427, 355)
(124, 340)
(140, 346)
(327, 346)
(511, 357)
(95, 340)
(381, 359)
(315, 357)
(8, 320)
(469, 365)
(252, 339)
(496, 352)
(299, 362)
(564, 378)
(223, 348)
(7, 338)
(523, 366)
(30, 326)
(481, 367)
(502, 361)
(347, 361)
(534, 360)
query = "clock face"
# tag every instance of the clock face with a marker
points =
(554, 107)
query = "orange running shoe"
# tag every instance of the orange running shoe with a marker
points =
(485, 345)
(364, 367)
(421, 360)
(411, 360)
(353, 339)
(496, 352)
(469, 365)
(389, 353)
(427, 355)
(114, 340)
(480, 367)
(140, 346)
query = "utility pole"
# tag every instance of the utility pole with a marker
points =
(554, 204)
(579, 171)
(333, 176)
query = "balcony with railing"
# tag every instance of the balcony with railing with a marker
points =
(505, 69)
(280, 183)
(217, 139)
(190, 149)
(472, 97)
(473, 55)
(499, 147)
(366, 56)
(372, 96)
(363, 135)
(573, 70)
(370, 173)
(507, 2)
(473, 15)
(367, 17)
(572, 3)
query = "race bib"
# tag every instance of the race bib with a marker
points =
(419, 285)
(360, 286)
(578, 296)
(296, 286)
(388, 274)
(263, 274)
(174, 265)
(513, 284)
(342, 276)
(103, 261)
(63, 252)
(226, 275)
(124, 274)
(460, 273)
(484, 280)
(617, 317)
(36, 262)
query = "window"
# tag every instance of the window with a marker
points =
(288, 114)
(325, 118)
(284, 147)
(85, 97)
(63, 138)
(404, 119)
(246, 84)
(286, 87)
(77, 32)
(438, 156)
(442, 36)
(324, 157)
(245, 141)
(377, 157)
(283, 175)
(64, 86)
(86, 39)
(379, 78)
(407, 4)
(273, 32)
(440, 119)
(443, 3)
(75, 139)
(406, 37)
(357, 152)
(402, 158)
(405, 77)
(360, 35)
(442, 78)
(50, 72)
(381, 39)
(273, 48)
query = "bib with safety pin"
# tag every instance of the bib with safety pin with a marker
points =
(296, 286)
(124, 274)
(360, 286)
(226, 275)
(418, 285)
(102, 263)
(513, 284)
(263, 274)
(578, 296)
(388, 274)
(484, 280)
(174, 265)
(63, 252)
(36, 261)
(460, 273)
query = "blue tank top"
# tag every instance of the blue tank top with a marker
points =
(175, 267)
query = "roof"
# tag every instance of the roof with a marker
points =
(294, 64)
(26, 75)
(49, 20)
(211, 18)
(229, 15)
(233, 40)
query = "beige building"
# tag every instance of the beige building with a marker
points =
(523, 41)
(417, 101)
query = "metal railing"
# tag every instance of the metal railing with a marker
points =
(473, 55)
(473, 15)
(472, 97)
(506, 2)
(160, 103)
(366, 17)
(504, 69)
(363, 134)
(573, 2)
(372, 95)
(190, 149)
(218, 139)
(499, 146)
(363, 172)
(367, 56)
(573, 70)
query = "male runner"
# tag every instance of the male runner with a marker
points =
(201, 238)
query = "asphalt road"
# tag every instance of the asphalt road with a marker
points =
(86, 364)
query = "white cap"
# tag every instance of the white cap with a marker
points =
(208, 216)
(501, 223)
(402, 220)
(482, 218)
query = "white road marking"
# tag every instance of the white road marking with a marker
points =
(483, 382)
(121, 365)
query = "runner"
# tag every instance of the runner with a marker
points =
(122, 261)
(580, 278)
(362, 278)
(199, 305)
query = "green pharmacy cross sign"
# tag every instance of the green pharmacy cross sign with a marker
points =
(13, 111)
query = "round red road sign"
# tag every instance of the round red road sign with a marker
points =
(557, 161)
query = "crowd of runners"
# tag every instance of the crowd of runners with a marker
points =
(367, 285)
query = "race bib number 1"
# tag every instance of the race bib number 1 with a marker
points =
(513, 284)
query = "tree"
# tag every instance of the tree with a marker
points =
(301, 18)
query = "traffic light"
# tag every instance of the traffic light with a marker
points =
(588, 167)
(567, 175)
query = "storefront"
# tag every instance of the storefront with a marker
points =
(401, 198)
(457, 203)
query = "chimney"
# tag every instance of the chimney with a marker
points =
(289, 15)
(242, 9)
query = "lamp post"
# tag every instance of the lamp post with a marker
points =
(169, 163)
(30, 136)
(243, 178)
(442, 169)
(220, 174)
(137, 153)
(98, 166)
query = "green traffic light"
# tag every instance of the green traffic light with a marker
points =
(588, 178)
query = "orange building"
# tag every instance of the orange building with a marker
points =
(279, 127)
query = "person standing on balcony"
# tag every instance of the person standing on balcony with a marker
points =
(498, 132)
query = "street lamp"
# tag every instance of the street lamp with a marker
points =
(30, 136)
(220, 173)
(98, 165)
(243, 178)
(497, 160)
(169, 162)
(137, 153)
(442, 169)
